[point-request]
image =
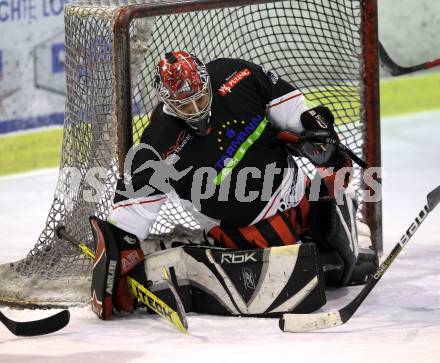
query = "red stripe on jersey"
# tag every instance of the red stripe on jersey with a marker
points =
(144, 202)
(282, 230)
(222, 237)
(287, 99)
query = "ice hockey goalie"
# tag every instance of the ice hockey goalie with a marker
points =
(223, 143)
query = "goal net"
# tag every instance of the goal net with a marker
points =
(326, 48)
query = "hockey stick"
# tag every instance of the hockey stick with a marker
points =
(345, 149)
(309, 322)
(176, 317)
(37, 327)
(396, 70)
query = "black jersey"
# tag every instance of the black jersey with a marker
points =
(229, 167)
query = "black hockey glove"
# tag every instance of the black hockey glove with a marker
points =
(318, 142)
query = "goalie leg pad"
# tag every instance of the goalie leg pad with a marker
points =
(259, 282)
(333, 227)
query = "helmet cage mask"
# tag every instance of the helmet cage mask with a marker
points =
(175, 106)
(200, 81)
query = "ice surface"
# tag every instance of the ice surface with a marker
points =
(399, 322)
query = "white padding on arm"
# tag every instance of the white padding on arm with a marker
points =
(285, 112)
(137, 215)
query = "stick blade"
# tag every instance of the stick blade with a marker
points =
(300, 323)
(434, 198)
(38, 327)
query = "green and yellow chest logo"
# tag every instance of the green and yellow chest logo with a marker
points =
(234, 139)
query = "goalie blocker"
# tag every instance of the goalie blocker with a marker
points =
(118, 254)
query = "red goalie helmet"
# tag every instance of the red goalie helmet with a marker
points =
(182, 83)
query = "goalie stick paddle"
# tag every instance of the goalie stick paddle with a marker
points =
(37, 327)
(397, 70)
(176, 317)
(308, 322)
